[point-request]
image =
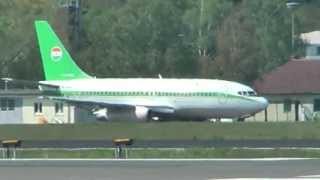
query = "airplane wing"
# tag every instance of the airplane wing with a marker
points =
(158, 107)
(154, 106)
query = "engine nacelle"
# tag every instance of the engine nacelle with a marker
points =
(142, 113)
(101, 114)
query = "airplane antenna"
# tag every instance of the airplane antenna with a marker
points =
(159, 75)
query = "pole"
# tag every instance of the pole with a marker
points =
(291, 4)
(200, 29)
(292, 31)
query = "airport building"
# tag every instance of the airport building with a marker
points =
(293, 89)
(24, 106)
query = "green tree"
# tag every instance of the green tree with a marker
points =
(254, 39)
(18, 57)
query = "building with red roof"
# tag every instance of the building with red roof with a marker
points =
(293, 89)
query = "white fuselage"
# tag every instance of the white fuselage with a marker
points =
(195, 98)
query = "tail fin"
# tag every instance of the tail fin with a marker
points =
(57, 62)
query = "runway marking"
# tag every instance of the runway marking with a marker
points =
(309, 176)
(151, 160)
(299, 177)
(253, 179)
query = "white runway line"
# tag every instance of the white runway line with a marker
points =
(152, 160)
(255, 179)
(300, 177)
(310, 176)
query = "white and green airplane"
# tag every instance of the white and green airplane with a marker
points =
(148, 98)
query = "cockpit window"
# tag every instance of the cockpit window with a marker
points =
(252, 93)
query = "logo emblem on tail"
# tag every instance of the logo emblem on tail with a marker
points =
(56, 54)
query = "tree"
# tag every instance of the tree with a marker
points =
(252, 41)
(16, 30)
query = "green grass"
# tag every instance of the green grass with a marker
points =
(163, 130)
(60, 153)
(172, 153)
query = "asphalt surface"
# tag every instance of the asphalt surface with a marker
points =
(158, 169)
(174, 143)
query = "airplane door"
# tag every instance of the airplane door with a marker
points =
(223, 96)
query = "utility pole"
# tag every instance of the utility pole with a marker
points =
(200, 41)
(291, 4)
(73, 7)
(292, 31)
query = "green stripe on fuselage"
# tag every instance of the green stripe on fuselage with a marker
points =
(142, 94)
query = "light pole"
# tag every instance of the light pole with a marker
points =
(291, 5)
(200, 29)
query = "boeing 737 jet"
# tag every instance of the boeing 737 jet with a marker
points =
(148, 98)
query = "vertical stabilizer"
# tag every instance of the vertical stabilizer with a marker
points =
(57, 62)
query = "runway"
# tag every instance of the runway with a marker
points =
(186, 169)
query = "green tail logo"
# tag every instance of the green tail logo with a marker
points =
(57, 62)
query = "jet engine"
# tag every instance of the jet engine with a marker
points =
(101, 114)
(142, 113)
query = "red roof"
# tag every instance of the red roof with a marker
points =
(295, 77)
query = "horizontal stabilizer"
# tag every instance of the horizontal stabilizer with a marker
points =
(36, 84)
(18, 81)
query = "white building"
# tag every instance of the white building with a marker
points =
(312, 41)
(24, 106)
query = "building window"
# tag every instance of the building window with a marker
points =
(38, 107)
(10, 104)
(318, 50)
(58, 108)
(316, 105)
(287, 105)
(3, 104)
(7, 104)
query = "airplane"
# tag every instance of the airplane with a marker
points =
(149, 98)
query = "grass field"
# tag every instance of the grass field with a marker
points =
(172, 153)
(162, 130)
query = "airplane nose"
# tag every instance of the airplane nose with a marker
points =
(263, 103)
